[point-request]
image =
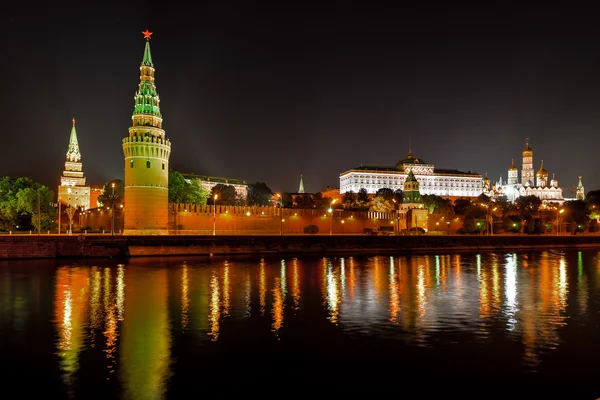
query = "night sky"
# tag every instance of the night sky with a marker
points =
(268, 92)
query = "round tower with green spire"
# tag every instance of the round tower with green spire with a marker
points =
(147, 153)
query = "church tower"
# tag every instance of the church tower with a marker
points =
(411, 196)
(527, 173)
(580, 192)
(301, 188)
(542, 176)
(72, 190)
(513, 174)
(147, 153)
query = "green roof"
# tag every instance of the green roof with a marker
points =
(147, 60)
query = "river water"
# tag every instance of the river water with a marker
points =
(474, 325)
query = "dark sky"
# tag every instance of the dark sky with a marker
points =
(268, 92)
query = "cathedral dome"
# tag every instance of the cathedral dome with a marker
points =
(542, 171)
(512, 167)
(527, 150)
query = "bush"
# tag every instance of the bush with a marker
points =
(311, 229)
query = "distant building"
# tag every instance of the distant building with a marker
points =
(72, 190)
(448, 183)
(532, 183)
(208, 182)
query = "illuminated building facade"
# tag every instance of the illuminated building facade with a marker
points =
(147, 153)
(208, 182)
(442, 182)
(532, 183)
(72, 190)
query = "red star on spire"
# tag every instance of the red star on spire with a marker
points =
(73, 121)
(147, 34)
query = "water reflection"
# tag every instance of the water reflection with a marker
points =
(126, 319)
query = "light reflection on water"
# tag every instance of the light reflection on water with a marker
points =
(137, 314)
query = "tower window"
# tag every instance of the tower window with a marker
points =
(148, 164)
(163, 166)
(131, 163)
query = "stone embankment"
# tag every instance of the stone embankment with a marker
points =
(77, 246)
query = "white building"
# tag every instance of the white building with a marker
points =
(441, 182)
(532, 183)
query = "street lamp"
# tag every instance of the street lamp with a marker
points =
(331, 219)
(448, 225)
(280, 214)
(491, 219)
(112, 223)
(215, 214)
(558, 220)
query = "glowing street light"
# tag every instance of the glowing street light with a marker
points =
(331, 220)
(112, 222)
(215, 214)
(558, 220)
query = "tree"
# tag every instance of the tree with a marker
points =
(287, 200)
(305, 201)
(436, 204)
(182, 192)
(106, 199)
(380, 204)
(349, 200)
(462, 206)
(529, 205)
(362, 199)
(227, 195)
(398, 196)
(259, 194)
(504, 205)
(19, 204)
(386, 193)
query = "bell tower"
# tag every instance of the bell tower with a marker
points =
(147, 153)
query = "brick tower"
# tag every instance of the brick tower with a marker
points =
(147, 154)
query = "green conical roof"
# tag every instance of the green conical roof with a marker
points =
(301, 188)
(410, 177)
(147, 60)
(73, 153)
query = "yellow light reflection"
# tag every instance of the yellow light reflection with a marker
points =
(394, 293)
(120, 292)
(296, 285)
(215, 307)
(421, 300)
(185, 297)
(352, 279)
(511, 290)
(262, 288)
(283, 281)
(333, 294)
(277, 306)
(226, 290)
(70, 312)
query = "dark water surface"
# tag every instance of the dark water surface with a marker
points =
(515, 325)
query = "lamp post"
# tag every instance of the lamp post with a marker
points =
(448, 226)
(331, 219)
(558, 220)
(215, 214)
(112, 222)
(280, 214)
(491, 219)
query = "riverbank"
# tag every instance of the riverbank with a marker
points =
(92, 246)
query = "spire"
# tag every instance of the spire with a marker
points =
(147, 60)
(409, 145)
(580, 191)
(73, 153)
(301, 188)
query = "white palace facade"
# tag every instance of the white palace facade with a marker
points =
(442, 182)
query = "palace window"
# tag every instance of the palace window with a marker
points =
(148, 164)
(131, 163)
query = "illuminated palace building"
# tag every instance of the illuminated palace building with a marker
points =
(448, 183)
(147, 153)
(532, 182)
(72, 190)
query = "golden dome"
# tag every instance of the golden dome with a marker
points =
(542, 171)
(527, 149)
(512, 167)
